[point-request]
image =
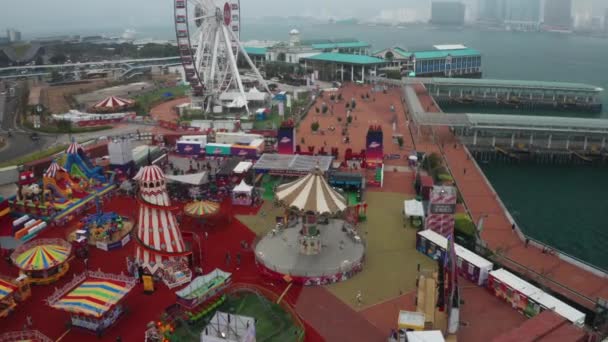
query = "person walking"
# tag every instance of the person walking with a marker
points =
(359, 298)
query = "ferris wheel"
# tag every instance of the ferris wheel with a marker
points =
(208, 38)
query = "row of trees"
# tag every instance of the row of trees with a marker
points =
(83, 52)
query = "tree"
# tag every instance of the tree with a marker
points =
(58, 59)
(349, 120)
(64, 125)
(314, 126)
(56, 76)
(282, 57)
(431, 162)
(400, 142)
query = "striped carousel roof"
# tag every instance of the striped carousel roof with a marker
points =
(6, 288)
(311, 193)
(201, 209)
(150, 173)
(51, 172)
(113, 102)
(93, 297)
(42, 257)
(74, 148)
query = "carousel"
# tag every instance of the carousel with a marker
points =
(112, 104)
(312, 244)
(44, 261)
(105, 230)
(204, 212)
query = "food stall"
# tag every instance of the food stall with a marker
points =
(242, 194)
(469, 265)
(191, 145)
(411, 320)
(528, 299)
(414, 211)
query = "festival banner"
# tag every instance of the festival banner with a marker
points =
(286, 140)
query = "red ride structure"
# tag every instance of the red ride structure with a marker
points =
(159, 238)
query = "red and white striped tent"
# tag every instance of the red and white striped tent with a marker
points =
(158, 235)
(73, 148)
(51, 172)
(113, 104)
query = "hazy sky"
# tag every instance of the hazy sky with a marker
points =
(52, 16)
(36, 15)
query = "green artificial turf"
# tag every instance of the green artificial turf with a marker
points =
(273, 323)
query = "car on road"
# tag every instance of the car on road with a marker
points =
(35, 136)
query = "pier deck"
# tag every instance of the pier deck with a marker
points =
(575, 283)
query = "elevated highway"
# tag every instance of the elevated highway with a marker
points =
(124, 67)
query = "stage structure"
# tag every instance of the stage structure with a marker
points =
(208, 38)
(160, 247)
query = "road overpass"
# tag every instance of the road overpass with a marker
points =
(126, 67)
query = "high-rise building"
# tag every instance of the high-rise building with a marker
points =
(583, 14)
(558, 14)
(522, 15)
(606, 20)
(447, 13)
(13, 35)
(492, 11)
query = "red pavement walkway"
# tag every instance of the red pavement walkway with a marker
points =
(165, 111)
(333, 319)
(482, 200)
(372, 111)
(142, 308)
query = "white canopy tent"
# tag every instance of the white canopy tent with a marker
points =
(242, 194)
(243, 167)
(413, 208)
(193, 179)
(243, 188)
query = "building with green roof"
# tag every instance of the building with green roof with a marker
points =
(454, 60)
(340, 66)
(295, 49)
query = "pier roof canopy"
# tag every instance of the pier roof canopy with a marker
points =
(255, 51)
(346, 59)
(493, 83)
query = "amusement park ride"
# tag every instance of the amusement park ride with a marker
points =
(208, 37)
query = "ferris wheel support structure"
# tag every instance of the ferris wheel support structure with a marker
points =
(210, 53)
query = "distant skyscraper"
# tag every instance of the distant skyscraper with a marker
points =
(583, 14)
(522, 14)
(13, 35)
(447, 13)
(558, 14)
(492, 11)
